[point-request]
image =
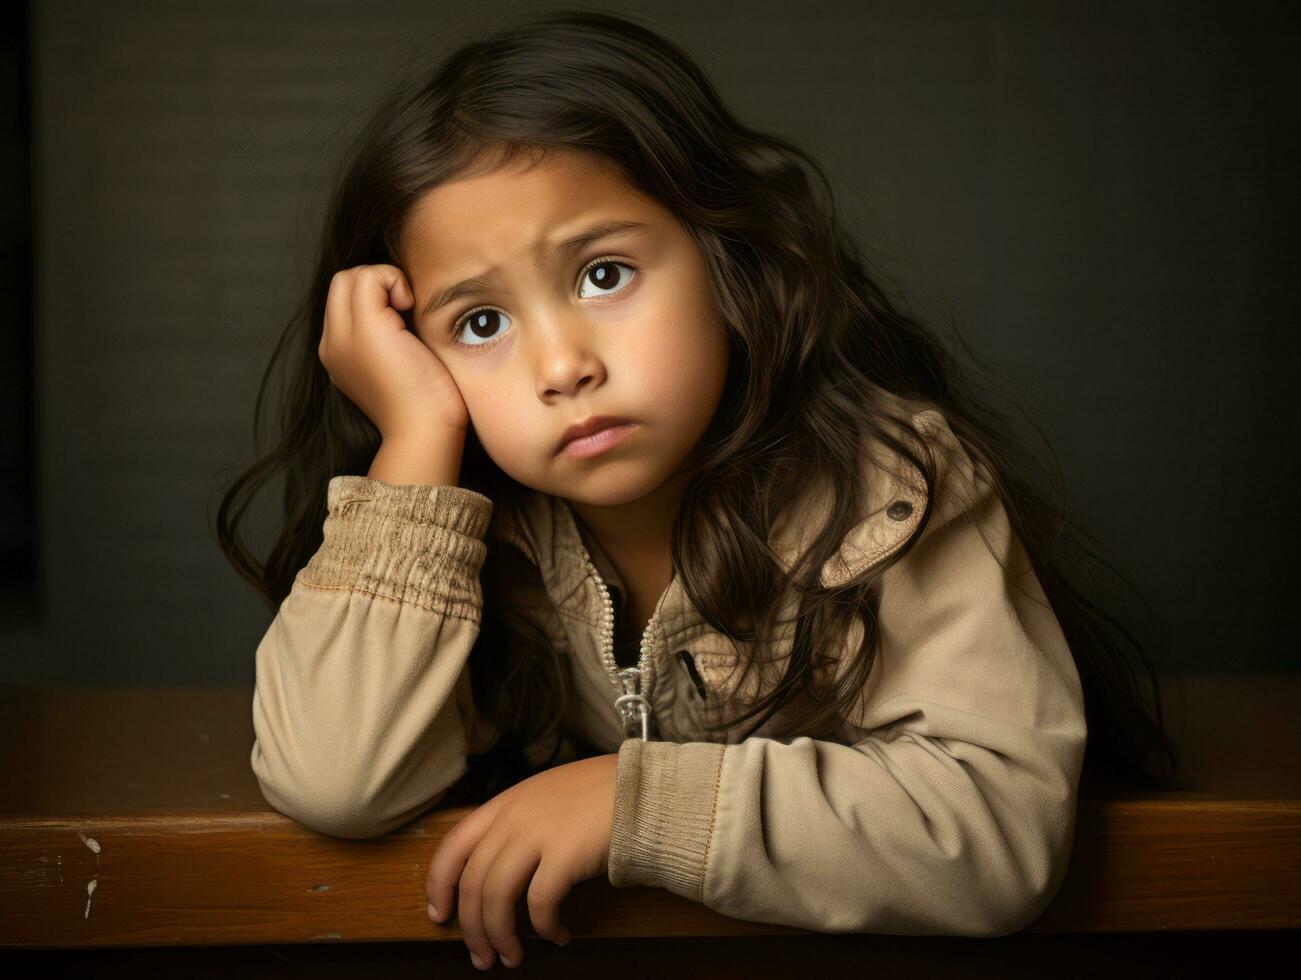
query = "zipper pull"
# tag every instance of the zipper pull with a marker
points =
(632, 705)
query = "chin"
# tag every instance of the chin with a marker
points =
(609, 486)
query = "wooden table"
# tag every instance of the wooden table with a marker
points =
(133, 833)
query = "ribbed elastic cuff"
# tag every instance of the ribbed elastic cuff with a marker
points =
(417, 544)
(664, 799)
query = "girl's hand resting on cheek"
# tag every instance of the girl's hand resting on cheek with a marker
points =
(546, 833)
(382, 366)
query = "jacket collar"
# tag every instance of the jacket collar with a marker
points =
(547, 532)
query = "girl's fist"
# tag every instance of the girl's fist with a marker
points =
(383, 367)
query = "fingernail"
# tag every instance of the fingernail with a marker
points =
(507, 960)
(433, 912)
(478, 963)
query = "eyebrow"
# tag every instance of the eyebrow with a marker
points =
(489, 278)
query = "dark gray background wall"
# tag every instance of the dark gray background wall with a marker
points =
(1101, 196)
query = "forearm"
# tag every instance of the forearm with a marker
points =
(431, 458)
(362, 710)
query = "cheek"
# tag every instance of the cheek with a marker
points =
(500, 416)
(685, 365)
(512, 448)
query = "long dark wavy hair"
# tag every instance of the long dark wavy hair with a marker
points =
(820, 356)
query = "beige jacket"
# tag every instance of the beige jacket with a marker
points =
(946, 806)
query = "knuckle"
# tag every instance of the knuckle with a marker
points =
(546, 925)
(544, 912)
(500, 938)
(543, 907)
(435, 869)
(470, 890)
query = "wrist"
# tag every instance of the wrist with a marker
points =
(428, 457)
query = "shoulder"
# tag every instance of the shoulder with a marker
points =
(895, 495)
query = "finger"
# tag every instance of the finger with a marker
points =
(373, 289)
(354, 276)
(448, 862)
(400, 296)
(546, 893)
(511, 871)
(368, 295)
(469, 899)
(338, 304)
(391, 284)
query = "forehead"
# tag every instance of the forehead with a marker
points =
(478, 219)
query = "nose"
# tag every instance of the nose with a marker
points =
(565, 352)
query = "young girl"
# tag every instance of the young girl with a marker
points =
(676, 535)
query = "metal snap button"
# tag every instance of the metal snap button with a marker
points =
(899, 510)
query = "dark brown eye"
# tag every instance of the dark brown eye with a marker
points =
(483, 323)
(478, 328)
(605, 274)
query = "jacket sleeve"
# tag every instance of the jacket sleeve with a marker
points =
(362, 713)
(951, 808)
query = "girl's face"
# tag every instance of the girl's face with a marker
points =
(624, 324)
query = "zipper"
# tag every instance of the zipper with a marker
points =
(632, 705)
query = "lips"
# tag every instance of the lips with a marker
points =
(588, 426)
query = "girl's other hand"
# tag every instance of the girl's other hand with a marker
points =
(381, 365)
(546, 833)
